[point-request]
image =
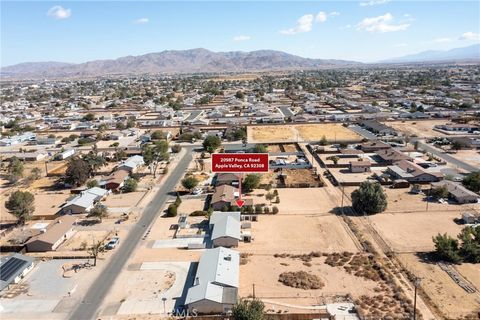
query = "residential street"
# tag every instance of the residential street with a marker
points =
(88, 308)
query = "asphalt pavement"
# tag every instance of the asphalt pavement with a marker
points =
(89, 306)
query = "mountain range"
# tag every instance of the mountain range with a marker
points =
(466, 53)
(205, 61)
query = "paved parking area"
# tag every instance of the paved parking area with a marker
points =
(184, 274)
(177, 243)
(26, 306)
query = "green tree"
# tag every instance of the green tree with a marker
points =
(470, 247)
(323, 141)
(157, 135)
(439, 192)
(154, 154)
(15, 170)
(92, 183)
(89, 117)
(189, 183)
(130, 185)
(78, 171)
(21, 205)
(369, 198)
(260, 148)
(251, 182)
(334, 159)
(248, 310)
(176, 148)
(99, 212)
(446, 248)
(239, 95)
(172, 210)
(211, 143)
(456, 145)
(275, 210)
(35, 174)
(94, 160)
(472, 181)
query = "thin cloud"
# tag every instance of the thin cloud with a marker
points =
(381, 24)
(59, 13)
(442, 40)
(373, 3)
(241, 38)
(334, 14)
(471, 36)
(304, 24)
(401, 45)
(321, 17)
(141, 21)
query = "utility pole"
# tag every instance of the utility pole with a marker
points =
(253, 284)
(342, 188)
(416, 284)
(428, 197)
(46, 169)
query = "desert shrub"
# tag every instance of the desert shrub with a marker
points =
(301, 280)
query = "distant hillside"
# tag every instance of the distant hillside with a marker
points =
(466, 53)
(183, 61)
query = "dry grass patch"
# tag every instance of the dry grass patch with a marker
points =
(301, 280)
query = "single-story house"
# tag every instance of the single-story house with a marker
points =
(228, 178)
(391, 156)
(85, 201)
(458, 192)
(132, 164)
(412, 172)
(225, 229)
(13, 268)
(360, 165)
(378, 128)
(116, 180)
(53, 236)
(372, 146)
(224, 195)
(215, 288)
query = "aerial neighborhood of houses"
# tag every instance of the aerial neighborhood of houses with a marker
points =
(111, 210)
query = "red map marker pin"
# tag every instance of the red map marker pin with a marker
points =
(240, 203)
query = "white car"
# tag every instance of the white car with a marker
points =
(197, 191)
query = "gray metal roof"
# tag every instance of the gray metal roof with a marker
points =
(218, 269)
(225, 224)
(11, 267)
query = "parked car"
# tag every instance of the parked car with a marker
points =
(113, 243)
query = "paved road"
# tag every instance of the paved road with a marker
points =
(94, 297)
(445, 156)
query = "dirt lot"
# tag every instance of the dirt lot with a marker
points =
(75, 242)
(267, 287)
(417, 128)
(298, 233)
(471, 157)
(450, 299)
(305, 201)
(407, 232)
(123, 200)
(299, 133)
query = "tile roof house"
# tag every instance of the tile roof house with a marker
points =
(227, 178)
(215, 288)
(391, 156)
(223, 196)
(51, 238)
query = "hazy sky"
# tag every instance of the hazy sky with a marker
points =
(366, 30)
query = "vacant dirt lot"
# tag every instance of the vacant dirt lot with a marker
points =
(450, 299)
(407, 232)
(269, 289)
(417, 128)
(471, 157)
(305, 201)
(89, 237)
(301, 133)
(298, 233)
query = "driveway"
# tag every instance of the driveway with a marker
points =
(176, 243)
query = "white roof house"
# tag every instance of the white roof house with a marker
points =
(84, 201)
(216, 282)
(225, 228)
(132, 163)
